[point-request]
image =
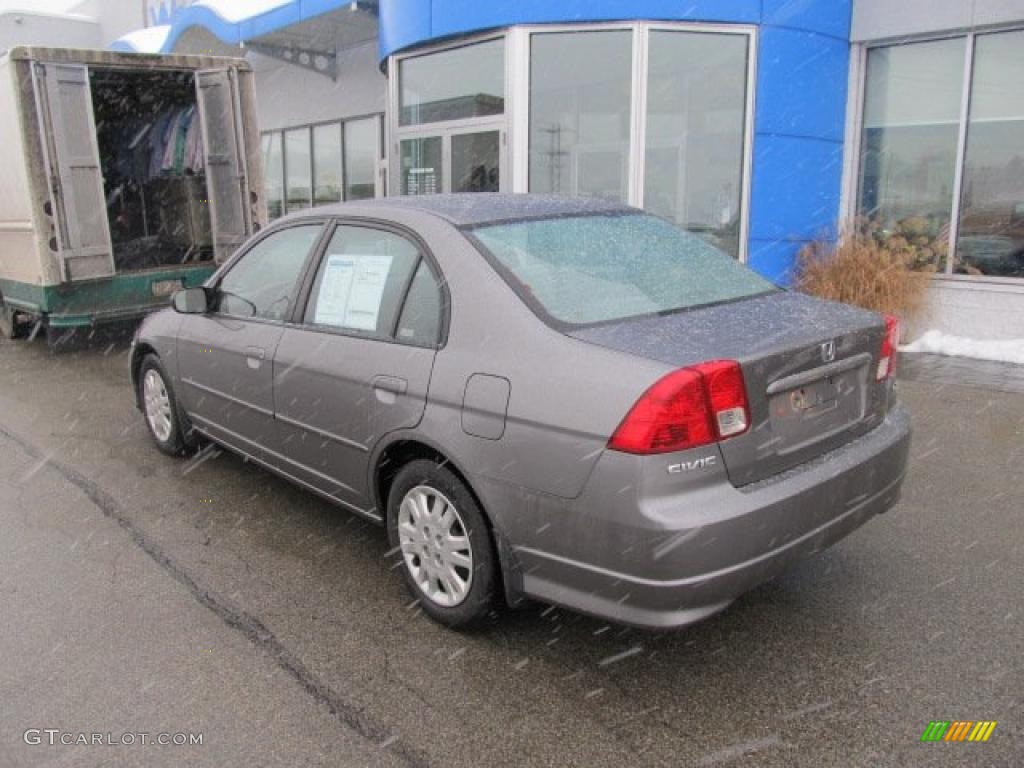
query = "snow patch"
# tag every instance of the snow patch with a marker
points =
(939, 343)
(148, 39)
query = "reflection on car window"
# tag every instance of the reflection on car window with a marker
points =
(361, 280)
(263, 282)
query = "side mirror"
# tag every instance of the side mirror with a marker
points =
(191, 301)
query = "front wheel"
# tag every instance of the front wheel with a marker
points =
(160, 407)
(447, 555)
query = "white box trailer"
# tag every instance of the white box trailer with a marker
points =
(122, 178)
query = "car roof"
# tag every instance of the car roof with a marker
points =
(471, 209)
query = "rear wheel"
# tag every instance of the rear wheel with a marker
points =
(160, 407)
(10, 328)
(447, 556)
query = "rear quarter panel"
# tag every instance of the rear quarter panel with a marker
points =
(566, 396)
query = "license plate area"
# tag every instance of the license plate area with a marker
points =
(165, 287)
(817, 408)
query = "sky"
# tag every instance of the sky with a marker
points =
(50, 6)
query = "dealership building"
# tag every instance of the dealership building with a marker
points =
(761, 125)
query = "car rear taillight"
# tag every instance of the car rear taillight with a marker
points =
(887, 357)
(687, 408)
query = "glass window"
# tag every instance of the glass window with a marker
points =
(327, 164)
(361, 137)
(453, 84)
(696, 106)
(420, 321)
(908, 160)
(299, 181)
(273, 174)
(589, 269)
(580, 89)
(476, 162)
(361, 280)
(421, 166)
(991, 233)
(263, 281)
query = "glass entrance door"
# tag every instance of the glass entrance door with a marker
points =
(458, 160)
(476, 162)
(422, 166)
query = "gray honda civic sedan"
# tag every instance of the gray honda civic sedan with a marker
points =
(562, 399)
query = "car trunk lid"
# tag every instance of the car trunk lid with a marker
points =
(809, 368)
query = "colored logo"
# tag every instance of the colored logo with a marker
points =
(958, 730)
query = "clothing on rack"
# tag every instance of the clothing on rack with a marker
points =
(176, 143)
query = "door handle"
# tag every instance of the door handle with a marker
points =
(254, 356)
(393, 384)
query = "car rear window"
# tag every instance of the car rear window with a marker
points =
(581, 270)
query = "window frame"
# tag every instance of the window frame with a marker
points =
(445, 129)
(852, 187)
(514, 123)
(379, 152)
(215, 280)
(299, 130)
(340, 126)
(433, 50)
(305, 293)
(277, 134)
(272, 137)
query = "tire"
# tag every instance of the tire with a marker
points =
(10, 328)
(428, 530)
(160, 409)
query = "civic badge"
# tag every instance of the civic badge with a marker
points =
(828, 351)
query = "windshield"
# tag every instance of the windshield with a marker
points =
(581, 270)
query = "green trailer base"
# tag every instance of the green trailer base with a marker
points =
(126, 296)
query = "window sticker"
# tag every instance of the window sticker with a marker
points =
(351, 291)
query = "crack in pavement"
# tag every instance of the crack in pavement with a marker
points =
(347, 713)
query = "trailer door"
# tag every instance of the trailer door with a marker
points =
(226, 174)
(73, 165)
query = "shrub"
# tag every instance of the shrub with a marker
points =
(863, 271)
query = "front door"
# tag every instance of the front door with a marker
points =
(225, 358)
(456, 160)
(358, 365)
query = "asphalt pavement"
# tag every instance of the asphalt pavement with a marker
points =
(143, 594)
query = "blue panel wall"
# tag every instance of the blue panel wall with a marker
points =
(799, 126)
(802, 70)
(404, 23)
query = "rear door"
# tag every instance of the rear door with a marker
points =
(356, 364)
(225, 357)
(73, 166)
(226, 173)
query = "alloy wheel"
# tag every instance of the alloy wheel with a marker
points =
(435, 545)
(158, 405)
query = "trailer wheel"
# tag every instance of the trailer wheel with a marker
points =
(9, 328)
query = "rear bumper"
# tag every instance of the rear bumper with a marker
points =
(674, 560)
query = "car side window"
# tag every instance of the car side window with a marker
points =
(264, 281)
(420, 321)
(361, 280)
